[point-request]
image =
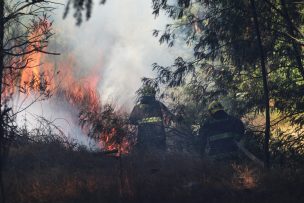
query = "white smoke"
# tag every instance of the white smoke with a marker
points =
(119, 34)
(59, 115)
(117, 41)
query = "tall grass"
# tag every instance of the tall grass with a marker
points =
(52, 172)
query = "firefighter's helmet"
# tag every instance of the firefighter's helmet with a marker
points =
(215, 106)
(148, 91)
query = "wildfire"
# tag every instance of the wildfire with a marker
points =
(122, 148)
(60, 80)
(34, 76)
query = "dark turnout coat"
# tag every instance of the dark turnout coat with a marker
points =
(149, 118)
(219, 134)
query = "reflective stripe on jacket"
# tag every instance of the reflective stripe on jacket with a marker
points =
(150, 120)
(222, 136)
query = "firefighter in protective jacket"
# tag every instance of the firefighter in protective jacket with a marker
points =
(148, 116)
(220, 132)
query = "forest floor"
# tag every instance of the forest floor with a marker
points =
(52, 173)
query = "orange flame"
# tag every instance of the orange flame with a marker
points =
(60, 79)
(34, 75)
(106, 144)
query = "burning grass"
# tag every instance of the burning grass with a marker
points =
(51, 172)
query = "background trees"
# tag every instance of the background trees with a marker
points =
(249, 51)
(81, 7)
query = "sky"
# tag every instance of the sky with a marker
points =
(118, 40)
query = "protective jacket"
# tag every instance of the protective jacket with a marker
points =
(219, 134)
(149, 118)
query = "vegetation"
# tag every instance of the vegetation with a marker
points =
(80, 7)
(246, 53)
(51, 172)
(24, 31)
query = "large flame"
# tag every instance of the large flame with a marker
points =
(34, 76)
(61, 80)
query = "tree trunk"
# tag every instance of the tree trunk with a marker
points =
(296, 47)
(265, 84)
(1, 118)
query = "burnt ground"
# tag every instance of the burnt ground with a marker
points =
(53, 173)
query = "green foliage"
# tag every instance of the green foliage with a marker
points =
(225, 63)
(80, 7)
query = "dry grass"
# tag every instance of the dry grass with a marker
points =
(51, 173)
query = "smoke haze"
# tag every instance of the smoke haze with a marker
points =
(115, 48)
(118, 40)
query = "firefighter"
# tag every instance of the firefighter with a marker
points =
(220, 132)
(148, 116)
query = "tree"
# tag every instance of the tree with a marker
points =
(254, 49)
(80, 7)
(233, 38)
(265, 82)
(25, 30)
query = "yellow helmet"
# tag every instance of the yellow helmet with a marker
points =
(215, 106)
